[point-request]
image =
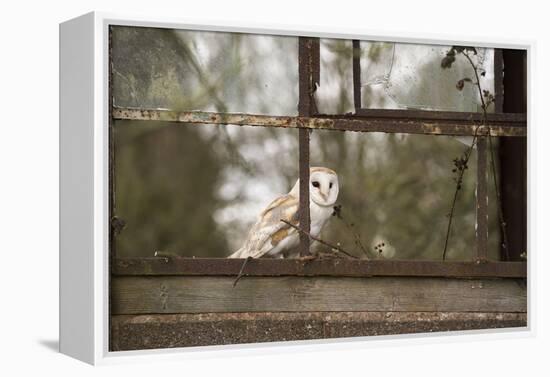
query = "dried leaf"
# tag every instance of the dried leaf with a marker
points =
(447, 61)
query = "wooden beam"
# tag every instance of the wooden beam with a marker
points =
(177, 294)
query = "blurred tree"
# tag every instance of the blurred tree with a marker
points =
(396, 189)
(195, 190)
(166, 176)
(166, 179)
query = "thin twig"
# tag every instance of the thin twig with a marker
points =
(457, 189)
(332, 247)
(349, 226)
(478, 84)
(484, 106)
(468, 153)
(358, 241)
(240, 274)
(493, 165)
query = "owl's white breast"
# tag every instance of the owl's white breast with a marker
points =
(319, 216)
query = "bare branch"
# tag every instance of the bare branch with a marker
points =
(457, 189)
(338, 213)
(484, 105)
(332, 247)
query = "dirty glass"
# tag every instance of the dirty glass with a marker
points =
(396, 192)
(195, 190)
(335, 92)
(401, 76)
(209, 71)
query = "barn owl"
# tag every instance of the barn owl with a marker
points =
(270, 237)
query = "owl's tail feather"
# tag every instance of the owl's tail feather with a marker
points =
(237, 254)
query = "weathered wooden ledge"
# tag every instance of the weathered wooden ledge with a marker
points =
(216, 294)
(163, 311)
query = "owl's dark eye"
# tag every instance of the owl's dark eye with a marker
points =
(330, 185)
(315, 184)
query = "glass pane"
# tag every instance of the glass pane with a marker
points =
(401, 76)
(397, 190)
(335, 92)
(408, 76)
(195, 190)
(209, 71)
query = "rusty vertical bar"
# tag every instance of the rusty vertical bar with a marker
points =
(357, 74)
(315, 67)
(111, 199)
(304, 107)
(304, 216)
(513, 157)
(482, 201)
(112, 218)
(499, 87)
(308, 74)
(309, 77)
(498, 68)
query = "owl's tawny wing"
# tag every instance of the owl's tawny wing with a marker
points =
(269, 230)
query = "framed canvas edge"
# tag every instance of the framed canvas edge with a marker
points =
(78, 309)
(309, 30)
(100, 267)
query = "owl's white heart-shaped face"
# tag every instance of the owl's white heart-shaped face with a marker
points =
(323, 186)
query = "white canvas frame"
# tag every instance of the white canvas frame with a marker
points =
(84, 273)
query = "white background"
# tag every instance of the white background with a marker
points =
(29, 188)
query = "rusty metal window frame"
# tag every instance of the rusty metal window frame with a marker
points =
(508, 125)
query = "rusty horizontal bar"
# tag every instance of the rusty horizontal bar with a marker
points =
(514, 119)
(499, 125)
(322, 267)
